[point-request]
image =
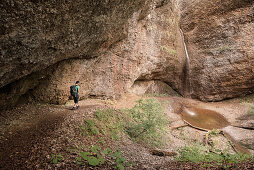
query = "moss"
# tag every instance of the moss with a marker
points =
(168, 50)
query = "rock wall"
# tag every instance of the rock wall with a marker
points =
(45, 46)
(147, 53)
(35, 34)
(220, 40)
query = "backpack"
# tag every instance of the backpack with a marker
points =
(73, 90)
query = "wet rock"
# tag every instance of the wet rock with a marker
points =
(203, 119)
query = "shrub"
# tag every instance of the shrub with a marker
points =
(109, 122)
(147, 122)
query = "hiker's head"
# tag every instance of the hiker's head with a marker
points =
(77, 82)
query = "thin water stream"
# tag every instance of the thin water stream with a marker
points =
(202, 118)
(186, 69)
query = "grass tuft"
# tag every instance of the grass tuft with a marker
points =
(199, 154)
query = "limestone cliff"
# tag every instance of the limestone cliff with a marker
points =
(36, 34)
(111, 45)
(147, 53)
(220, 40)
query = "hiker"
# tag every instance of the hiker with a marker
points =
(74, 90)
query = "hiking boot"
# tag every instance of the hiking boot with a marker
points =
(77, 107)
(73, 108)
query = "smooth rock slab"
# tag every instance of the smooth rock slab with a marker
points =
(203, 119)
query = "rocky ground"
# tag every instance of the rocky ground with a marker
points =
(30, 134)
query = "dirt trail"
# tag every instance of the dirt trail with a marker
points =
(31, 133)
(20, 137)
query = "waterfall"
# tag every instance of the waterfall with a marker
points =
(185, 48)
(186, 69)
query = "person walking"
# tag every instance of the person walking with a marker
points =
(74, 90)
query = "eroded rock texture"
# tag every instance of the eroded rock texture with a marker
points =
(220, 40)
(117, 42)
(36, 33)
(108, 45)
(147, 53)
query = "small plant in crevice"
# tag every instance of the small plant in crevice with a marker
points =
(168, 50)
(224, 48)
(251, 109)
(214, 132)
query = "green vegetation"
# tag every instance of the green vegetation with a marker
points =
(119, 159)
(168, 50)
(199, 153)
(251, 109)
(95, 157)
(110, 122)
(156, 95)
(147, 122)
(56, 158)
(144, 122)
(247, 99)
(214, 132)
(105, 123)
(89, 128)
(224, 48)
(171, 20)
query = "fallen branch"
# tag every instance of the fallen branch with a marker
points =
(176, 127)
(162, 153)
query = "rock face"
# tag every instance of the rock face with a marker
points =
(45, 46)
(154, 88)
(219, 36)
(147, 53)
(36, 34)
